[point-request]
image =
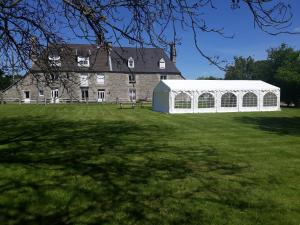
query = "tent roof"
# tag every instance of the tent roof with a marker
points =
(181, 85)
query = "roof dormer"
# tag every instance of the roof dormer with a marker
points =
(83, 61)
(162, 64)
(131, 63)
(54, 60)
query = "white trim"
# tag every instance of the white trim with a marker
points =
(130, 63)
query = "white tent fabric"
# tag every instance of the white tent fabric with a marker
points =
(196, 96)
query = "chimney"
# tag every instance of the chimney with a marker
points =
(173, 52)
(99, 40)
(109, 49)
(33, 50)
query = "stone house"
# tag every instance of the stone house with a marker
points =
(93, 73)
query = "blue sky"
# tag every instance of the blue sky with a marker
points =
(248, 41)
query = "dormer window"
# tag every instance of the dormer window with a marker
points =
(131, 63)
(83, 61)
(162, 64)
(54, 60)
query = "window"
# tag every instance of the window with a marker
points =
(206, 100)
(162, 64)
(182, 101)
(84, 94)
(132, 95)
(270, 99)
(100, 79)
(131, 63)
(83, 61)
(54, 60)
(228, 100)
(54, 93)
(26, 94)
(41, 92)
(54, 76)
(131, 78)
(250, 100)
(84, 80)
(163, 77)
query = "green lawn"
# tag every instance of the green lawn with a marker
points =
(97, 164)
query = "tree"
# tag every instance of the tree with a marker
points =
(288, 78)
(4, 81)
(281, 68)
(242, 69)
(208, 78)
(28, 27)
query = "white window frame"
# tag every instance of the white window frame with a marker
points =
(162, 64)
(84, 80)
(132, 94)
(41, 89)
(100, 78)
(131, 63)
(131, 78)
(163, 77)
(83, 61)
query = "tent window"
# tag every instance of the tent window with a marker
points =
(250, 100)
(228, 100)
(206, 100)
(182, 101)
(270, 99)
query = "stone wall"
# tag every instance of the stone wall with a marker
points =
(116, 87)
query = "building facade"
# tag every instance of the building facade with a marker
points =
(92, 73)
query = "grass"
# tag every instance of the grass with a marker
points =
(97, 164)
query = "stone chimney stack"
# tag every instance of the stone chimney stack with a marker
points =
(173, 52)
(33, 49)
(109, 49)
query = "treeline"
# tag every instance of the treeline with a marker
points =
(6, 80)
(281, 68)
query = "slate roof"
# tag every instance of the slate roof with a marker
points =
(146, 60)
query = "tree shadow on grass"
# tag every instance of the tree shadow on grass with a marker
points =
(113, 172)
(280, 125)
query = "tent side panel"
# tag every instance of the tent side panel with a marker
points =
(160, 101)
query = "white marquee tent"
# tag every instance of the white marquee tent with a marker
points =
(197, 96)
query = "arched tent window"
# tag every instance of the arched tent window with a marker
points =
(182, 101)
(270, 99)
(206, 100)
(228, 100)
(162, 64)
(250, 100)
(131, 62)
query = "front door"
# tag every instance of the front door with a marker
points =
(101, 95)
(85, 95)
(54, 96)
(26, 96)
